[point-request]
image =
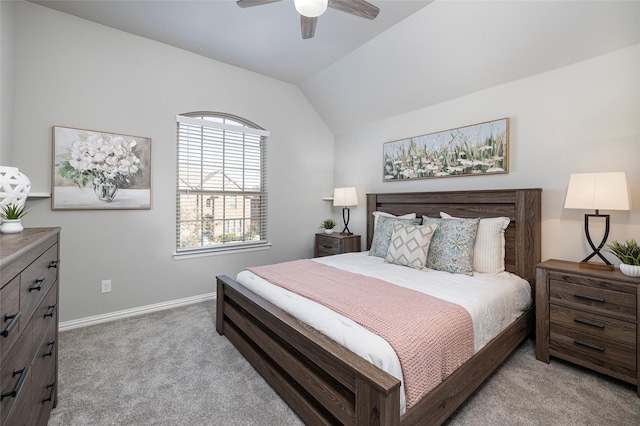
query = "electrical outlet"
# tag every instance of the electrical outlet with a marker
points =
(106, 286)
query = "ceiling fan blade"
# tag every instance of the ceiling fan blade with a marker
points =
(308, 26)
(251, 3)
(359, 8)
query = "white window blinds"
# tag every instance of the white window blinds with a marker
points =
(221, 196)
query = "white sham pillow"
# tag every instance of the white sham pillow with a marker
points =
(489, 251)
(376, 215)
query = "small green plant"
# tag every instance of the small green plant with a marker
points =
(328, 224)
(13, 211)
(628, 253)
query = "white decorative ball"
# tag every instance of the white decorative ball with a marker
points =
(14, 186)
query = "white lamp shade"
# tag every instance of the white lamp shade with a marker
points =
(311, 8)
(598, 191)
(345, 197)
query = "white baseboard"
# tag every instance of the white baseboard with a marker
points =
(112, 316)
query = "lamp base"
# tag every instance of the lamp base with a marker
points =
(346, 233)
(596, 265)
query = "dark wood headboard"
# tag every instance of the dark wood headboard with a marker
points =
(522, 206)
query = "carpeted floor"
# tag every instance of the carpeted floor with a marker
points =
(172, 368)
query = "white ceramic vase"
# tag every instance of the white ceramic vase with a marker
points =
(11, 226)
(630, 270)
(328, 231)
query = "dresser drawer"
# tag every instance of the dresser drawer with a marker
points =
(10, 316)
(37, 279)
(14, 373)
(46, 316)
(596, 300)
(623, 332)
(604, 353)
(43, 384)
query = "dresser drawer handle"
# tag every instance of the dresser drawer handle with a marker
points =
(587, 322)
(53, 308)
(14, 320)
(588, 345)
(53, 348)
(594, 299)
(19, 383)
(327, 247)
(38, 284)
(54, 264)
(53, 387)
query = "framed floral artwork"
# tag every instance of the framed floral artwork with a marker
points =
(96, 170)
(478, 149)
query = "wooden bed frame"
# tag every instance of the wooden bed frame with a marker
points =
(325, 383)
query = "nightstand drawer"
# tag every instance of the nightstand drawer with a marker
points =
(597, 300)
(601, 352)
(622, 332)
(328, 245)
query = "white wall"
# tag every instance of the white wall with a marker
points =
(6, 82)
(580, 118)
(72, 72)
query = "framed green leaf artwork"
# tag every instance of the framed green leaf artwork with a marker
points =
(478, 149)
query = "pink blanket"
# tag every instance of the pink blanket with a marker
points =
(432, 337)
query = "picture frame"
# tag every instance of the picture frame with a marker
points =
(475, 150)
(96, 170)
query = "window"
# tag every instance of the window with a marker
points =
(221, 197)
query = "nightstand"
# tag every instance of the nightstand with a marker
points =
(588, 317)
(336, 243)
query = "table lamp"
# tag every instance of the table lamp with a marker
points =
(598, 191)
(345, 197)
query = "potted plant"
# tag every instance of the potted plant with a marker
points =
(328, 225)
(11, 215)
(629, 255)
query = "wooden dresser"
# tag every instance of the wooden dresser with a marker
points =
(588, 317)
(29, 270)
(336, 243)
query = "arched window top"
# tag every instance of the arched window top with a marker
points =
(221, 117)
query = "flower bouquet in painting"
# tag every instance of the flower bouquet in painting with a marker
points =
(106, 162)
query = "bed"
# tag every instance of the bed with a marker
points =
(325, 383)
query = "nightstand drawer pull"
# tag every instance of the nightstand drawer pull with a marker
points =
(594, 299)
(327, 247)
(588, 345)
(587, 322)
(14, 320)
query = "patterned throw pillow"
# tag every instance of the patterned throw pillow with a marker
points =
(451, 248)
(489, 251)
(409, 244)
(382, 234)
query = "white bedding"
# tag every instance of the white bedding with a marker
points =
(493, 300)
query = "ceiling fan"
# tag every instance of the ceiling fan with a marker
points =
(309, 10)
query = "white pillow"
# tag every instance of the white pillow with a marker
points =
(488, 252)
(409, 244)
(376, 215)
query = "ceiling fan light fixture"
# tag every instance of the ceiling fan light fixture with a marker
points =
(311, 8)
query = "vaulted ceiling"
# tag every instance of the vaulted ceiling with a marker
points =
(413, 55)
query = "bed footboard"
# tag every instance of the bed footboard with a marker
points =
(323, 382)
